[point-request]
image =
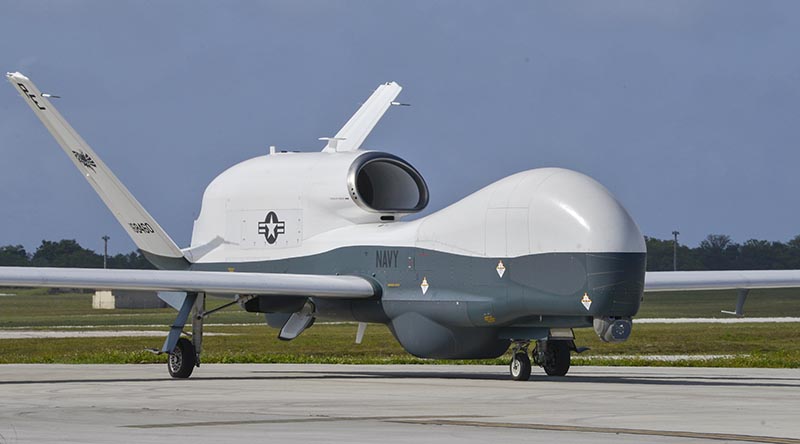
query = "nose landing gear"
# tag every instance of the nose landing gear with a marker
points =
(520, 367)
(552, 355)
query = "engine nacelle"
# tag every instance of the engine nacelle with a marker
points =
(613, 329)
(281, 200)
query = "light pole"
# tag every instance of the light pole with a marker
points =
(105, 250)
(675, 251)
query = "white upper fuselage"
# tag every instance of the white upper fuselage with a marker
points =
(537, 211)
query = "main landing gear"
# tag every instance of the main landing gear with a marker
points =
(184, 354)
(182, 360)
(552, 355)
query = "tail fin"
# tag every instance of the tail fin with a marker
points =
(137, 222)
(353, 133)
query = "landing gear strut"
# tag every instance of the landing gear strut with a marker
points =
(184, 354)
(520, 367)
(553, 356)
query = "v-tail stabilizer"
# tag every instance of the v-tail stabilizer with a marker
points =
(135, 220)
(356, 130)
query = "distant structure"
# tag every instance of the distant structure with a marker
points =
(675, 251)
(105, 250)
(110, 300)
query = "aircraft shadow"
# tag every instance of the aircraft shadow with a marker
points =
(634, 379)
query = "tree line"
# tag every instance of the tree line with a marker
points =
(68, 253)
(715, 252)
(719, 252)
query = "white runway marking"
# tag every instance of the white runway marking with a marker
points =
(665, 358)
(112, 326)
(41, 334)
(744, 320)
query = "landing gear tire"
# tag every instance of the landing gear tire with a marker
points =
(556, 358)
(182, 360)
(520, 367)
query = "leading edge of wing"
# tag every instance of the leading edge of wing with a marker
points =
(720, 280)
(217, 282)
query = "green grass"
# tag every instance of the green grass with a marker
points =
(39, 308)
(765, 345)
(754, 345)
(697, 304)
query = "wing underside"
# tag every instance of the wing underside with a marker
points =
(265, 284)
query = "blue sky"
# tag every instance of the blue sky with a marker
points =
(686, 110)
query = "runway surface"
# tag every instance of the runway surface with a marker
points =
(389, 404)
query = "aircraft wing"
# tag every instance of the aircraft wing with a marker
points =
(216, 282)
(720, 280)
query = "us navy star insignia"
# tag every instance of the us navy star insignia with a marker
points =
(271, 227)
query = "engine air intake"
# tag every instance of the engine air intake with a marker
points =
(385, 183)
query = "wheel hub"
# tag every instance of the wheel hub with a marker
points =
(175, 360)
(515, 367)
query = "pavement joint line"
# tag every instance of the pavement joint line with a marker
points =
(296, 420)
(606, 430)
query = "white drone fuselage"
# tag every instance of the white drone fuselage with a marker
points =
(540, 249)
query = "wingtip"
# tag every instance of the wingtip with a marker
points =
(16, 75)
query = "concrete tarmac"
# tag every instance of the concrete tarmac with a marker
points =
(391, 404)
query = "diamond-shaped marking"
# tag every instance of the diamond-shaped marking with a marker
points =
(424, 285)
(586, 301)
(501, 269)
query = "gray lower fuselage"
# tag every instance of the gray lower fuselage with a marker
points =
(469, 309)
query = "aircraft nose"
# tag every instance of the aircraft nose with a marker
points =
(585, 247)
(571, 212)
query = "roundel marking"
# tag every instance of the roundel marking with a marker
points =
(271, 227)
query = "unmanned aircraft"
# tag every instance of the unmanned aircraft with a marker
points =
(301, 236)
